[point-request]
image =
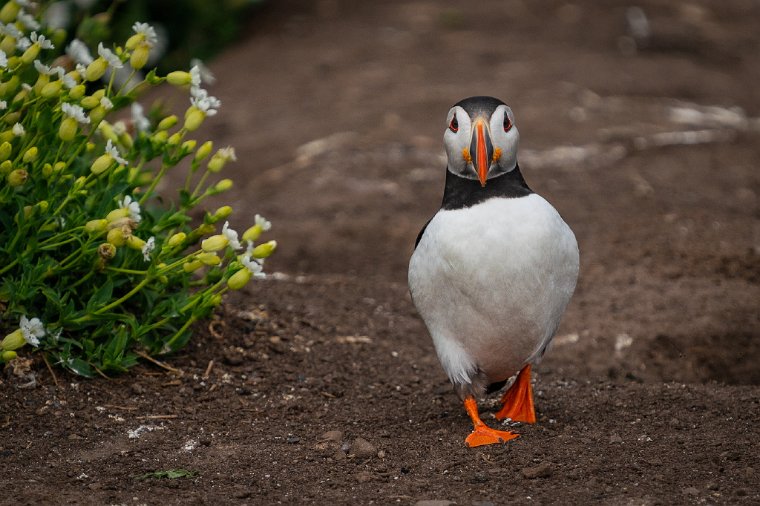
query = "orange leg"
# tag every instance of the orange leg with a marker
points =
(517, 402)
(481, 433)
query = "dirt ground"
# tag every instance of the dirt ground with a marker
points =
(320, 384)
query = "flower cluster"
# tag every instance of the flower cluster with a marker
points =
(94, 265)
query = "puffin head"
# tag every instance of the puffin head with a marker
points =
(481, 139)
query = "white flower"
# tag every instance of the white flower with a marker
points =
(11, 31)
(106, 103)
(3, 59)
(32, 330)
(203, 101)
(68, 81)
(262, 222)
(109, 56)
(253, 266)
(111, 150)
(227, 154)
(18, 130)
(44, 69)
(28, 20)
(146, 31)
(41, 41)
(132, 206)
(23, 43)
(81, 69)
(75, 111)
(203, 72)
(26, 4)
(78, 52)
(195, 77)
(150, 245)
(231, 236)
(3, 105)
(138, 118)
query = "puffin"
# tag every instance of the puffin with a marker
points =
(493, 270)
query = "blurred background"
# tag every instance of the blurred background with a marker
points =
(638, 121)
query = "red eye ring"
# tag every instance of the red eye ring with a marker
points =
(454, 125)
(507, 123)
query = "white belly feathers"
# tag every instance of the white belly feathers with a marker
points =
(491, 283)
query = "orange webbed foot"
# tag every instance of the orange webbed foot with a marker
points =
(484, 435)
(517, 402)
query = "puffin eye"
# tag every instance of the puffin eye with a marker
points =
(454, 125)
(507, 123)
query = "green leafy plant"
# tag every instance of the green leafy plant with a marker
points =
(95, 265)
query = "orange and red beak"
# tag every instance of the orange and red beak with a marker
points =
(481, 150)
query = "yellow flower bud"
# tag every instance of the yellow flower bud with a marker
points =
(8, 45)
(179, 78)
(9, 12)
(31, 53)
(6, 167)
(50, 90)
(107, 131)
(59, 166)
(11, 84)
(167, 122)
(116, 237)
(96, 226)
(176, 239)
(77, 91)
(252, 233)
(215, 300)
(214, 243)
(209, 259)
(188, 146)
(31, 154)
(223, 185)
(106, 251)
(7, 136)
(194, 118)
(7, 356)
(135, 242)
(101, 164)
(13, 341)
(126, 140)
(17, 177)
(42, 80)
(43, 205)
(47, 170)
(174, 139)
(79, 182)
(192, 266)
(90, 102)
(221, 213)
(68, 129)
(140, 56)
(6, 148)
(204, 151)
(264, 250)
(98, 114)
(28, 211)
(160, 137)
(239, 279)
(134, 40)
(117, 214)
(96, 69)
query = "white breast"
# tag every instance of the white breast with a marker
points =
(491, 283)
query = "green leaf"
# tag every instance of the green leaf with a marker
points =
(101, 296)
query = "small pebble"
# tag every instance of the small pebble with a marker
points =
(690, 491)
(543, 470)
(137, 389)
(292, 439)
(332, 435)
(615, 438)
(363, 448)
(363, 476)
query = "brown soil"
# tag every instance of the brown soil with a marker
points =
(321, 386)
